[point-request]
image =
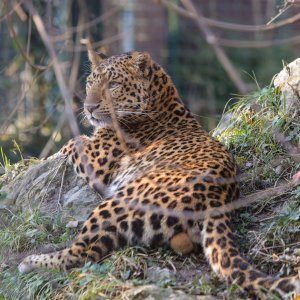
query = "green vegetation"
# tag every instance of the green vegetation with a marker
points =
(22, 232)
(25, 231)
(5, 162)
(254, 129)
(122, 272)
(257, 130)
(7, 166)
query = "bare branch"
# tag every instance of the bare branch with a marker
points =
(9, 13)
(231, 26)
(104, 42)
(228, 25)
(84, 26)
(257, 44)
(76, 58)
(6, 123)
(240, 27)
(56, 66)
(13, 35)
(212, 41)
(50, 143)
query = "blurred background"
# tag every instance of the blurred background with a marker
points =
(213, 50)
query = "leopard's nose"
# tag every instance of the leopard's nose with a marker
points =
(91, 107)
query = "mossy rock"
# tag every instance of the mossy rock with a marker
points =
(50, 186)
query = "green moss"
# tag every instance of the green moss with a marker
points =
(254, 128)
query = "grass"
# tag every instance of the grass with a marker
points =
(272, 229)
(17, 168)
(4, 160)
(122, 272)
(108, 280)
(26, 231)
(250, 130)
(4, 163)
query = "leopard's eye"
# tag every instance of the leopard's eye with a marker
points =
(112, 84)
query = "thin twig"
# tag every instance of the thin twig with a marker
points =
(7, 121)
(20, 13)
(109, 101)
(81, 27)
(33, 129)
(104, 42)
(76, 57)
(19, 100)
(117, 128)
(50, 143)
(58, 206)
(281, 11)
(49, 183)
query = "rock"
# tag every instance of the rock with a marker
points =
(288, 82)
(156, 274)
(297, 252)
(51, 186)
(72, 224)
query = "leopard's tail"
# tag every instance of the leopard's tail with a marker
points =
(225, 259)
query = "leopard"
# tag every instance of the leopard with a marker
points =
(165, 181)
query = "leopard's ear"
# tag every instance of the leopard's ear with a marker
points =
(95, 58)
(102, 55)
(141, 62)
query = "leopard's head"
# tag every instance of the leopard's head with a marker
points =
(121, 82)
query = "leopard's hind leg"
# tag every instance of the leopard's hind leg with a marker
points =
(224, 257)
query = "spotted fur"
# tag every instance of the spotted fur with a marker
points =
(166, 187)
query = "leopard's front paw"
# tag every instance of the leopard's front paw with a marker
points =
(26, 265)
